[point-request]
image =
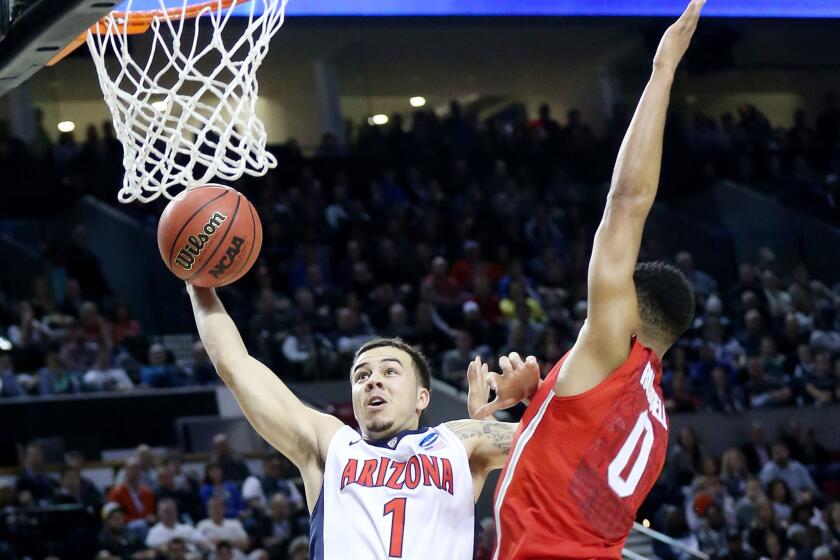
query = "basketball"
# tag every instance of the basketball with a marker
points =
(209, 236)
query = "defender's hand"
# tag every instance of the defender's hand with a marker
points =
(479, 388)
(518, 382)
(677, 38)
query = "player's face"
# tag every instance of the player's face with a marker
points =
(386, 395)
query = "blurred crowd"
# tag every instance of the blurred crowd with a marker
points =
(463, 237)
(155, 507)
(74, 335)
(763, 500)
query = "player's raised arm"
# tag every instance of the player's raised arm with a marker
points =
(299, 432)
(613, 315)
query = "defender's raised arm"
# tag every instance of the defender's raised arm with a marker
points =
(613, 314)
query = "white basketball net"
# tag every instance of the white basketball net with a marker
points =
(187, 114)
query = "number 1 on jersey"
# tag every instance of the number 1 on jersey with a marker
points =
(397, 507)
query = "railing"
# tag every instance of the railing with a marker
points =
(627, 553)
(656, 535)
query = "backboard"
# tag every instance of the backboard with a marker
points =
(33, 31)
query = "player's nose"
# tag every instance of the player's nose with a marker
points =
(374, 381)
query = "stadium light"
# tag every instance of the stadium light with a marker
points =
(646, 523)
(417, 101)
(379, 119)
(66, 126)
(159, 105)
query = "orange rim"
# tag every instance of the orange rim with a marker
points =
(134, 23)
(139, 22)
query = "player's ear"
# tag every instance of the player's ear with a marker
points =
(423, 396)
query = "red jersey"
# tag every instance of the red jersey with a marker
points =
(581, 466)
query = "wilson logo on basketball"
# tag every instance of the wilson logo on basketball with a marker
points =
(196, 243)
(230, 255)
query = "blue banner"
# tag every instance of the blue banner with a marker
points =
(670, 8)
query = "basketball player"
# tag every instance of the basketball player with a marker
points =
(594, 437)
(398, 490)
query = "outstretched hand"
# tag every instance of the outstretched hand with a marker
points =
(517, 382)
(677, 38)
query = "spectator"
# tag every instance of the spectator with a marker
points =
(160, 373)
(779, 302)
(72, 492)
(686, 457)
(216, 487)
(765, 390)
(202, 371)
(233, 468)
(679, 397)
(712, 534)
(456, 360)
(805, 366)
(747, 505)
(270, 483)
(704, 285)
(442, 290)
(76, 460)
(310, 354)
(398, 325)
(277, 530)
(78, 353)
(136, 499)
(216, 529)
(55, 379)
(268, 326)
(763, 523)
(780, 497)
(186, 498)
(757, 452)
(832, 514)
(299, 548)
(733, 472)
(116, 539)
(147, 462)
(791, 472)
(721, 396)
(34, 479)
(8, 380)
(821, 385)
(124, 328)
(431, 333)
(168, 530)
(104, 377)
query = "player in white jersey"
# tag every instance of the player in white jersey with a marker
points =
(397, 490)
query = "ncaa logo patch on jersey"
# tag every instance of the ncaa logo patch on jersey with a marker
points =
(432, 442)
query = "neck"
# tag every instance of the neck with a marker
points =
(381, 436)
(653, 343)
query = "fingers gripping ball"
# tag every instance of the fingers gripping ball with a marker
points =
(209, 236)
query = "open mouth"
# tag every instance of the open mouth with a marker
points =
(375, 402)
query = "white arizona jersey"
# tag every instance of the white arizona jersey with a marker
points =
(409, 497)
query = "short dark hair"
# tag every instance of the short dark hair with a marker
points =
(421, 365)
(666, 300)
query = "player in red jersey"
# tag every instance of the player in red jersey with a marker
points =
(594, 437)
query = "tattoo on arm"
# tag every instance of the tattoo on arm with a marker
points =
(498, 434)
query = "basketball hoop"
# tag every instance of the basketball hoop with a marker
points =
(185, 111)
